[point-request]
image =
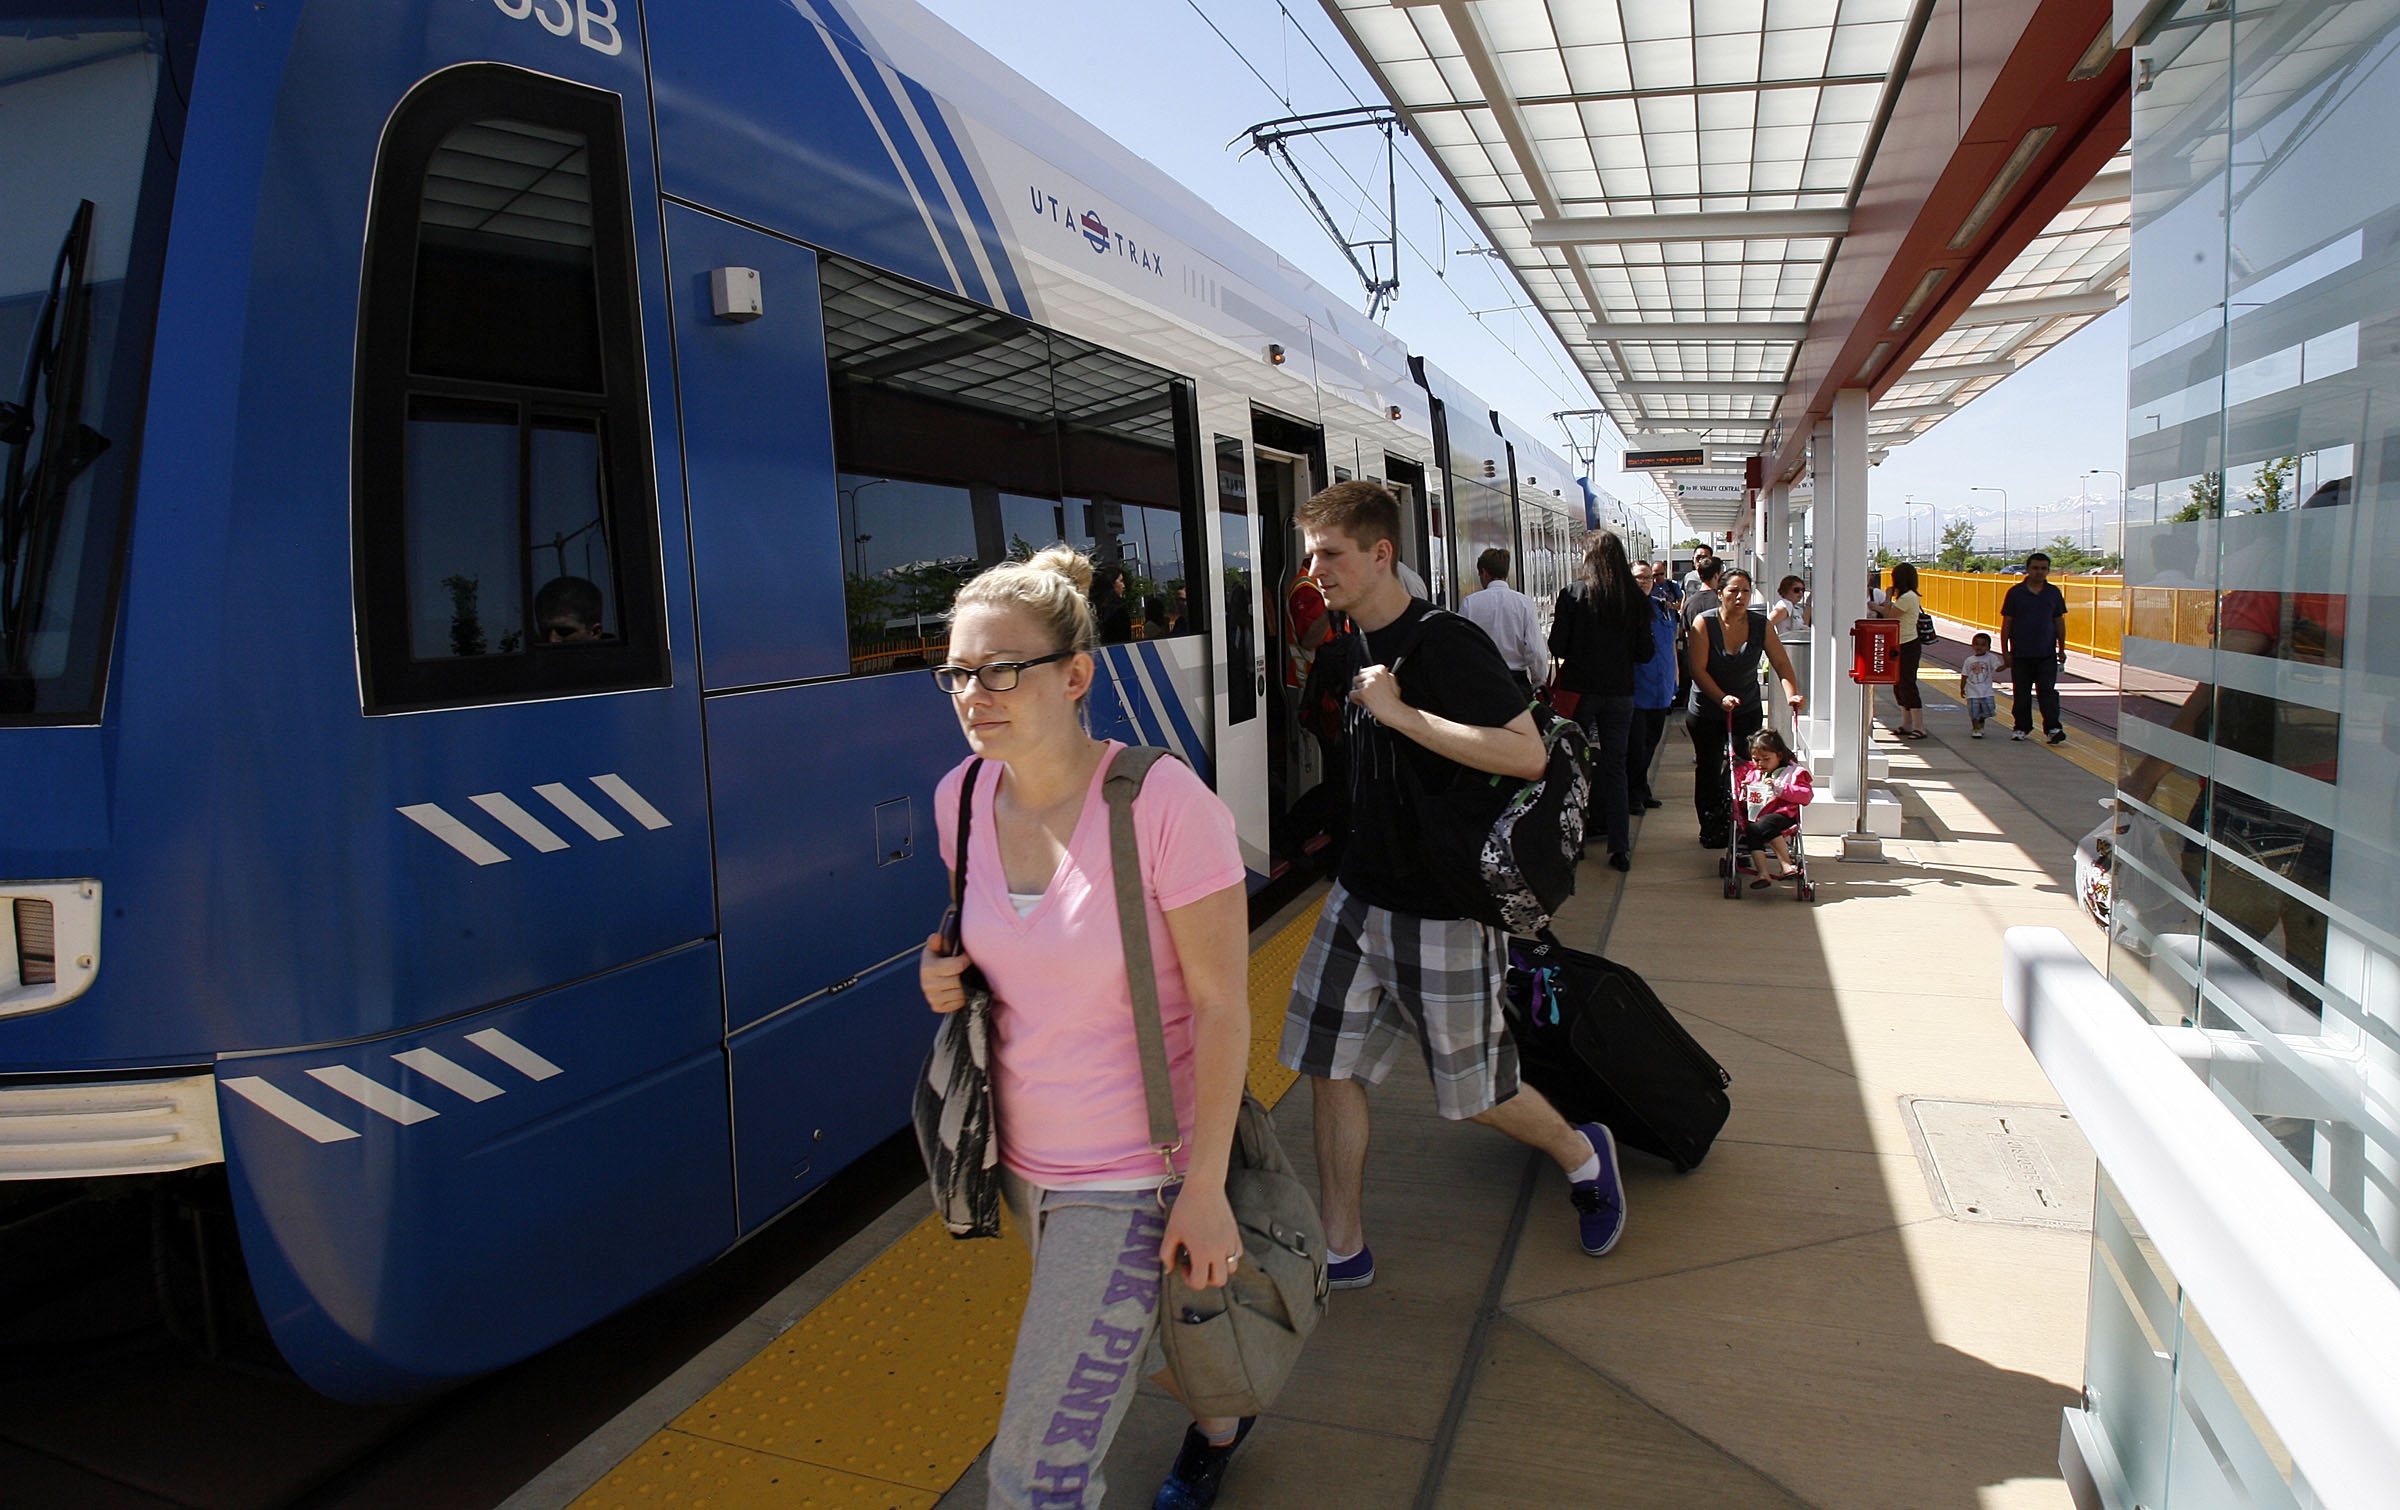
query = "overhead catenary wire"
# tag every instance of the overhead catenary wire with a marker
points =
(1574, 380)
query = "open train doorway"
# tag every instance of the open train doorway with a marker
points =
(1288, 463)
(1406, 479)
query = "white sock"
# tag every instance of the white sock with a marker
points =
(1589, 1169)
(1343, 1258)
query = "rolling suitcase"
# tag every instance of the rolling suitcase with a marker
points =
(1596, 1040)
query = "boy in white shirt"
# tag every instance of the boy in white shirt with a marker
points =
(1977, 675)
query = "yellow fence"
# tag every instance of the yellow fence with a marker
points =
(1971, 601)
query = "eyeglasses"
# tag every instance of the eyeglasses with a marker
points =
(996, 676)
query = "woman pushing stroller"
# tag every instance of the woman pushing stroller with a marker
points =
(1728, 643)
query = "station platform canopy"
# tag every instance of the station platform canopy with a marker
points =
(1729, 210)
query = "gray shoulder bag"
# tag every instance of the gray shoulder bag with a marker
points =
(1232, 1348)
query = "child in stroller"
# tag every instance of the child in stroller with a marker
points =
(1774, 786)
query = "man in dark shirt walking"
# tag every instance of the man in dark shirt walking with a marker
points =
(1394, 956)
(2033, 645)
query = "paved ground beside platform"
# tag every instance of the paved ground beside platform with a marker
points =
(1798, 1322)
(2088, 686)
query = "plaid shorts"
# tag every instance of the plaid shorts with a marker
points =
(1372, 978)
(1982, 708)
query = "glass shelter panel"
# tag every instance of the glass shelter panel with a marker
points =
(2258, 872)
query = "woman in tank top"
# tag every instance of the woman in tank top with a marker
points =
(1727, 645)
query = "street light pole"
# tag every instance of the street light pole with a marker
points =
(2087, 528)
(2003, 492)
(1913, 506)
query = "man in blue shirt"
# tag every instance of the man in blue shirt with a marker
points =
(1654, 683)
(2033, 645)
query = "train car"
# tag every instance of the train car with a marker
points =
(489, 476)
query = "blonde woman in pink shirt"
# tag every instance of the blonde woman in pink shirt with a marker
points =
(1040, 920)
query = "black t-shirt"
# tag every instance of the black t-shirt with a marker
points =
(2033, 618)
(1448, 667)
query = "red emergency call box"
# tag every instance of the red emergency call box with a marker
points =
(1875, 652)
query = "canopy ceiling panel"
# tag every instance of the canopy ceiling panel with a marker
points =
(1695, 166)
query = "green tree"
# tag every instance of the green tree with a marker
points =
(2272, 485)
(466, 625)
(1884, 559)
(2066, 554)
(1957, 551)
(2208, 500)
(869, 603)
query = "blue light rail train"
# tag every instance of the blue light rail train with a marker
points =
(483, 476)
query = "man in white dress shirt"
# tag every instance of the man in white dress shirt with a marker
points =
(1507, 615)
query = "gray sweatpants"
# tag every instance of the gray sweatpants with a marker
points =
(1087, 1339)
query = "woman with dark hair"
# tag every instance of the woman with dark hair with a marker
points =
(1599, 631)
(1906, 606)
(1728, 644)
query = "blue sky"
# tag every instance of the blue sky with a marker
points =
(1161, 80)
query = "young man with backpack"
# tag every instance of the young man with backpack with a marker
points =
(1434, 715)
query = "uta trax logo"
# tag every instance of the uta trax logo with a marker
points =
(1096, 231)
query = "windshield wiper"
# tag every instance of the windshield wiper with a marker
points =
(48, 410)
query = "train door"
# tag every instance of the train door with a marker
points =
(1407, 480)
(1242, 736)
(1295, 765)
(827, 871)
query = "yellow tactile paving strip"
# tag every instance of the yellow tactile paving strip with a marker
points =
(885, 1393)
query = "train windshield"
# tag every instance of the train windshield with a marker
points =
(91, 116)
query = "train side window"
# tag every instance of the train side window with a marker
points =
(964, 437)
(507, 524)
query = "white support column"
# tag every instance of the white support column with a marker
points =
(1774, 558)
(1773, 563)
(1828, 638)
(1842, 578)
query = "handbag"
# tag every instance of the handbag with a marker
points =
(952, 1107)
(1560, 700)
(1926, 633)
(1232, 1348)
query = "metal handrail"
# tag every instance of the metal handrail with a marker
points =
(2307, 1319)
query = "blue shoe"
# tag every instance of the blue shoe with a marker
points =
(1600, 1202)
(1353, 1273)
(1199, 1470)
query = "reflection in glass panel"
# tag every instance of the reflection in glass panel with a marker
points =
(506, 287)
(567, 535)
(2257, 713)
(464, 576)
(77, 94)
(965, 437)
(907, 547)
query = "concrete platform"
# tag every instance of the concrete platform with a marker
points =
(1795, 1323)
(1799, 1322)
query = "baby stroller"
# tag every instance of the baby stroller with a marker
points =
(1730, 867)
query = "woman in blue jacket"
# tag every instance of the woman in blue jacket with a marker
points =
(1654, 685)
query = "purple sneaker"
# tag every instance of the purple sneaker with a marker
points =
(1353, 1273)
(1600, 1202)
